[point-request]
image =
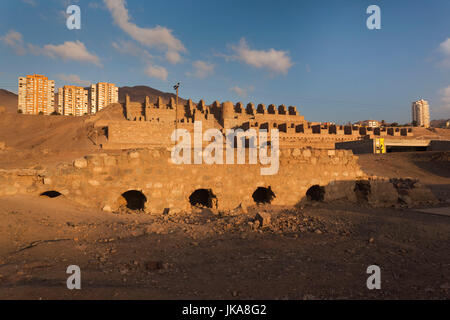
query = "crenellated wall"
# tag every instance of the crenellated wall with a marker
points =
(294, 130)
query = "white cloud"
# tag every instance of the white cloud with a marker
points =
(445, 98)
(444, 48)
(157, 72)
(157, 37)
(128, 47)
(202, 69)
(173, 57)
(30, 2)
(73, 79)
(242, 92)
(14, 39)
(274, 60)
(69, 50)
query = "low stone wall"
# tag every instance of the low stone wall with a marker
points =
(358, 147)
(99, 180)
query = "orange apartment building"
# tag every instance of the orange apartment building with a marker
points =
(36, 95)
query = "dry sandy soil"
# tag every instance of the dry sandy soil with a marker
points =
(320, 251)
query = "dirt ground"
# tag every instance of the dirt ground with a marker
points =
(320, 251)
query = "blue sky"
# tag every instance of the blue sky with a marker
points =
(316, 55)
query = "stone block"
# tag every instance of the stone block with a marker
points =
(296, 153)
(94, 183)
(264, 218)
(134, 155)
(80, 163)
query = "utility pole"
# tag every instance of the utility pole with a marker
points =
(176, 111)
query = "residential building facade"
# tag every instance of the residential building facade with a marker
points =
(101, 95)
(36, 95)
(73, 101)
(421, 113)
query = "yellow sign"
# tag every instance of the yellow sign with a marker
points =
(380, 147)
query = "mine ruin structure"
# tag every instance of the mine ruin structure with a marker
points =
(152, 123)
(147, 180)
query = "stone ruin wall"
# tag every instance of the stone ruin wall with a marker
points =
(151, 124)
(98, 180)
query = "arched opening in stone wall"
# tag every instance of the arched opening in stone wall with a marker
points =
(362, 190)
(263, 195)
(203, 198)
(135, 199)
(315, 193)
(51, 194)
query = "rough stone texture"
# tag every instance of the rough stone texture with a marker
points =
(263, 218)
(383, 193)
(152, 123)
(80, 163)
(95, 182)
(422, 195)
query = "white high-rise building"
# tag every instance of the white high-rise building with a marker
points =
(421, 113)
(36, 95)
(73, 101)
(103, 94)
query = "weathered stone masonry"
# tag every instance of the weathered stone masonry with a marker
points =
(99, 180)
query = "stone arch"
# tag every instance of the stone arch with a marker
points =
(134, 199)
(204, 198)
(51, 194)
(315, 193)
(263, 195)
(362, 190)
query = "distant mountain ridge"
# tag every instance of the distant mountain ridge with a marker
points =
(439, 123)
(138, 94)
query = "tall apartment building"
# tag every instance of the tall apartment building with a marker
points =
(36, 95)
(73, 101)
(102, 94)
(421, 113)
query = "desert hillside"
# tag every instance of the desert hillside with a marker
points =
(8, 100)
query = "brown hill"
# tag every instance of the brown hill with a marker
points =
(32, 140)
(8, 100)
(439, 123)
(114, 111)
(138, 94)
